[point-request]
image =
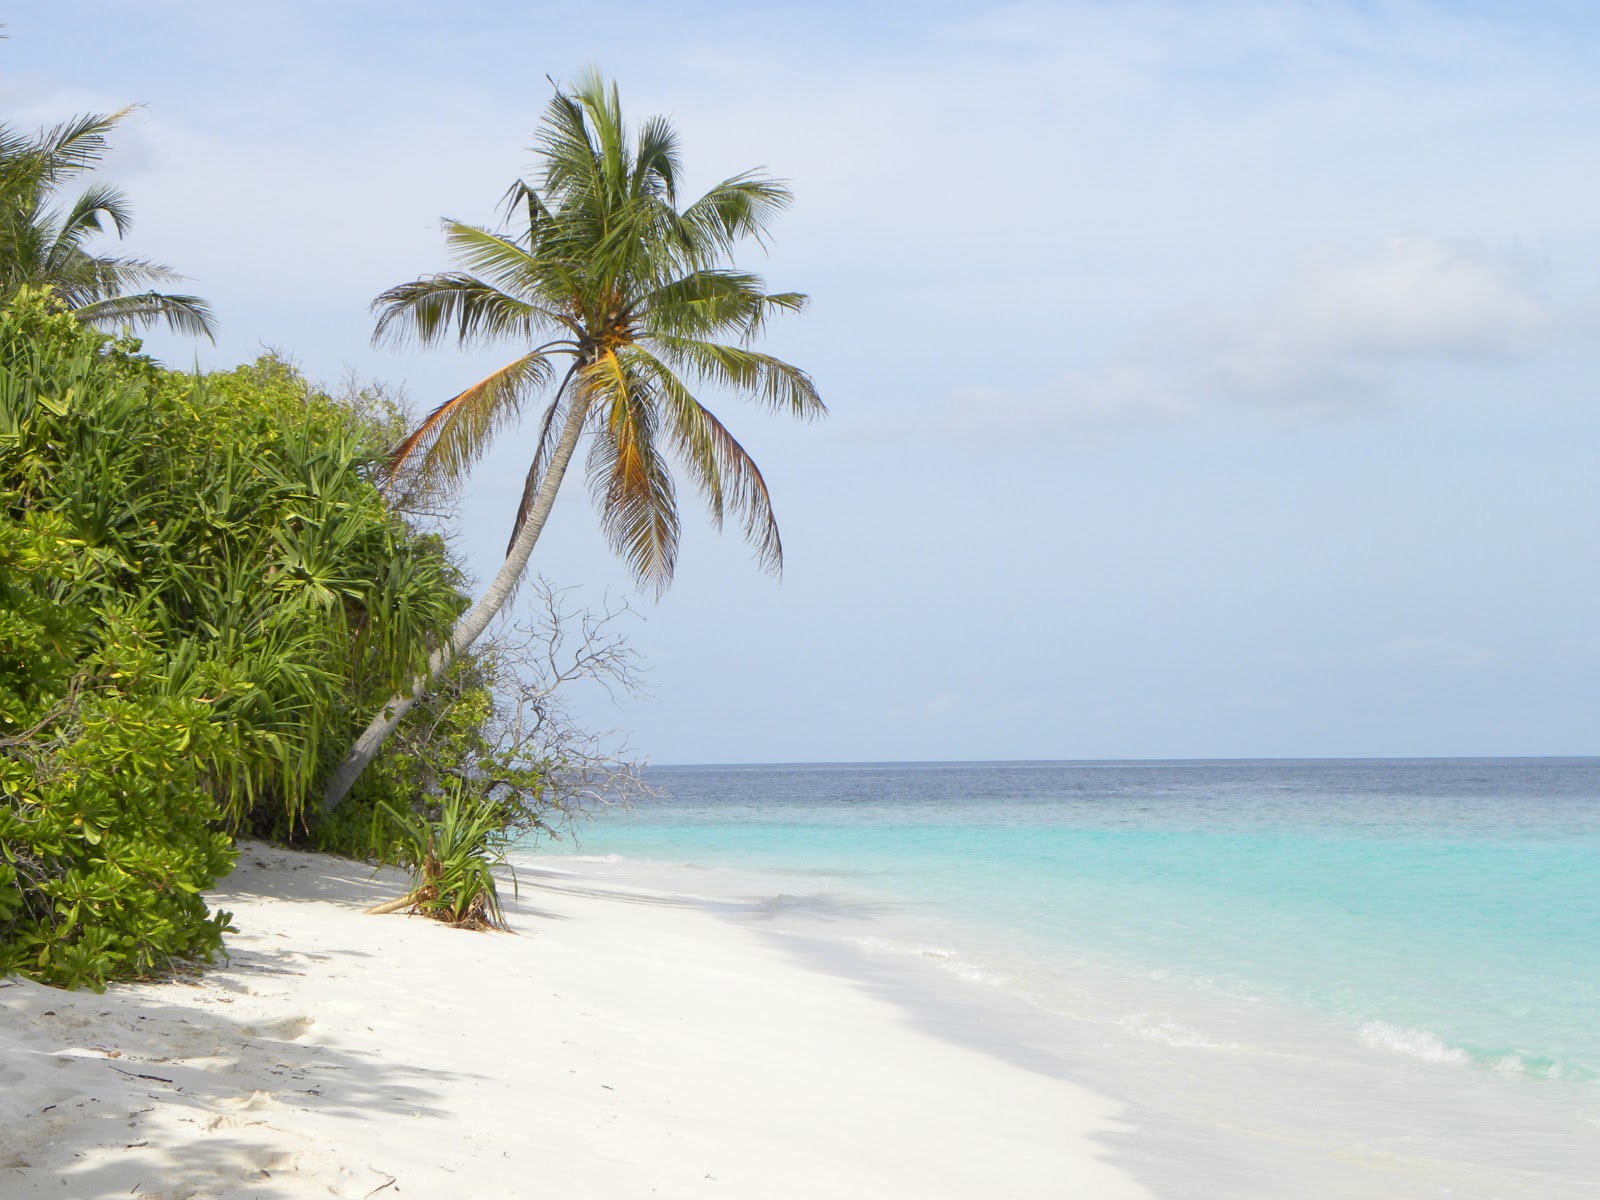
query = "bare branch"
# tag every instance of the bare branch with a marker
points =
(534, 756)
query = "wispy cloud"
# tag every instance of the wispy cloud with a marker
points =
(1121, 398)
(1411, 650)
(1347, 322)
(1343, 328)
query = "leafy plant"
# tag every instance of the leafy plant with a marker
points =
(107, 835)
(452, 854)
(200, 590)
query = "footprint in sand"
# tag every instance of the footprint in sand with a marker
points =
(255, 1102)
(289, 1028)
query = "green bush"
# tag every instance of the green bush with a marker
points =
(201, 595)
(108, 845)
(106, 833)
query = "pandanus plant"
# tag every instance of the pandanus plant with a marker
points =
(625, 303)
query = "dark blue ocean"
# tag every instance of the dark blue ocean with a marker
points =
(1430, 927)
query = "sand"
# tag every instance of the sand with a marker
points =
(622, 1043)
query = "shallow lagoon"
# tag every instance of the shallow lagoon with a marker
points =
(1392, 965)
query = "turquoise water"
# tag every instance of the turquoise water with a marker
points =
(1447, 910)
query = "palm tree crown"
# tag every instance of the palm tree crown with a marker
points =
(44, 245)
(628, 301)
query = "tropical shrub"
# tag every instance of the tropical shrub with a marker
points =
(201, 590)
(452, 853)
(107, 833)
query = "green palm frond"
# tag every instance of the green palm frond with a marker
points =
(83, 281)
(571, 160)
(429, 309)
(738, 208)
(608, 135)
(183, 314)
(524, 203)
(46, 247)
(97, 202)
(657, 162)
(509, 268)
(761, 376)
(68, 149)
(708, 302)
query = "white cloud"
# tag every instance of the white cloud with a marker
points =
(1344, 328)
(1347, 321)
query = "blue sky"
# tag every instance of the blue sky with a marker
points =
(1208, 379)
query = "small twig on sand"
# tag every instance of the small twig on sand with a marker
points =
(389, 1181)
(136, 1075)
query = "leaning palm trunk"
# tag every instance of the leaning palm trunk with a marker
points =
(471, 626)
(637, 296)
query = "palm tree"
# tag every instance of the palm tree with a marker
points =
(44, 246)
(626, 302)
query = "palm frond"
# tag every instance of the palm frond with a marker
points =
(523, 201)
(571, 162)
(183, 314)
(657, 161)
(83, 279)
(43, 246)
(631, 484)
(506, 266)
(722, 469)
(454, 436)
(707, 302)
(94, 203)
(428, 309)
(770, 380)
(607, 133)
(76, 144)
(737, 208)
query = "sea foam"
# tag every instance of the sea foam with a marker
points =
(1417, 1043)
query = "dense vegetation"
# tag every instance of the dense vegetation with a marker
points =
(200, 590)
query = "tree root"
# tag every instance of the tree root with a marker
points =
(389, 906)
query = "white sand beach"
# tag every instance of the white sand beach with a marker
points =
(620, 1044)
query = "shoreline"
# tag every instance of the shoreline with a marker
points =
(1222, 1094)
(627, 1041)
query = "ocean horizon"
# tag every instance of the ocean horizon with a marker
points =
(1401, 955)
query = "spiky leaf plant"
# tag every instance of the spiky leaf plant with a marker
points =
(452, 854)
